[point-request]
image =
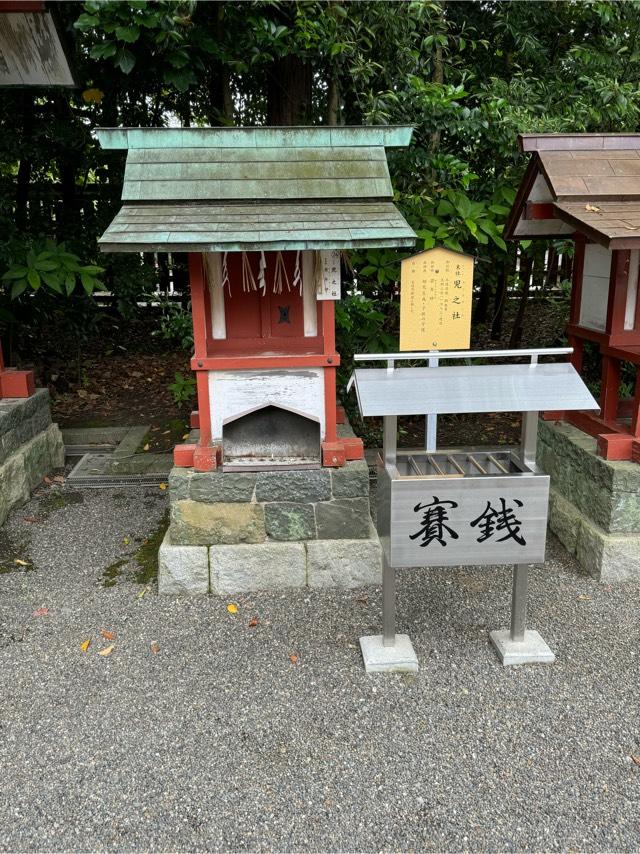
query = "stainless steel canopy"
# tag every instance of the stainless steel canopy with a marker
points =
(471, 388)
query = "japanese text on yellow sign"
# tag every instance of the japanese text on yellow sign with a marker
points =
(435, 301)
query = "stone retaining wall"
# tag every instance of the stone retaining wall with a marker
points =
(30, 447)
(594, 506)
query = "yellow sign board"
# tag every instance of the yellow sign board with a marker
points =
(436, 290)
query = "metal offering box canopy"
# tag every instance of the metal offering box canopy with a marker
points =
(463, 506)
(470, 388)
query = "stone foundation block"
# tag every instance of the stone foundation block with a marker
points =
(594, 504)
(183, 570)
(288, 521)
(343, 519)
(345, 563)
(351, 481)
(14, 488)
(607, 557)
(268, 566)
(179, 483)
(607, 492)
(42, 454)
(23, 470)
(196, 524)
(217, 486)
(298, 486)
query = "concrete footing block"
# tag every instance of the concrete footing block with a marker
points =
(246, 567)
(530, 650)
(182, 570)
(378, 658)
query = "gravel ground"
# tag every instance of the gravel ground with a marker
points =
(220, 742)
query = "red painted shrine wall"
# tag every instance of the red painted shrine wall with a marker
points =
(273, 322)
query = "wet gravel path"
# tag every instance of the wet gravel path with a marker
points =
(219, 742)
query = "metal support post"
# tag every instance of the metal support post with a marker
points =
(529, 437)
(390, 439)
(431, 420)
(388, 603)
(519, 601)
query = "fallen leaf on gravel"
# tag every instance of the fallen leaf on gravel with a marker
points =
(293, 659)
(143, 592)
(232, 609)
(635, 760)
(21, 562)
(146, 447)
(106, 651)
(84, 646)
(126, 540)
(30, 519)
(363, 599)
(41, 612)
(163, 486)
(155, 647)
(108, 635)
(253, 622)
(583, 598)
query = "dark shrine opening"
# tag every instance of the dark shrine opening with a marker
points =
(268, 437)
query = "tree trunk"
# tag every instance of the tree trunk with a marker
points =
(526, 264)
(551, 279)
(333, 101)
(500, 299)
(566, 267)
(484, 298)
(24, 169)
(289, 83)
(68, 160)
(438, 75)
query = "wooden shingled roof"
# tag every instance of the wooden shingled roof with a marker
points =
(31, 50)
(232, 189)
(588, 183)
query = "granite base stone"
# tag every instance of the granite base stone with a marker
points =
(268, 566)
(183, 570)
(244, 567)
(30, 447)
(594, 504)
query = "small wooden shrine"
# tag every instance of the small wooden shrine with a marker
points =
(264, 214)
(587, 187)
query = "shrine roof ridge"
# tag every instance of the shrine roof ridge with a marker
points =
(296, 136)
(578, 141)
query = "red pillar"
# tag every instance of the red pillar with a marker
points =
(204, 456)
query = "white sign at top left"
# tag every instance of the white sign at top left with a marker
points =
(328, 275)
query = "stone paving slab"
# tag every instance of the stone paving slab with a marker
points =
(106, 470)
(260, 730)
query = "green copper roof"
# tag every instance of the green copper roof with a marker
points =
(388, 136)
(215, 188)
(236, 227)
